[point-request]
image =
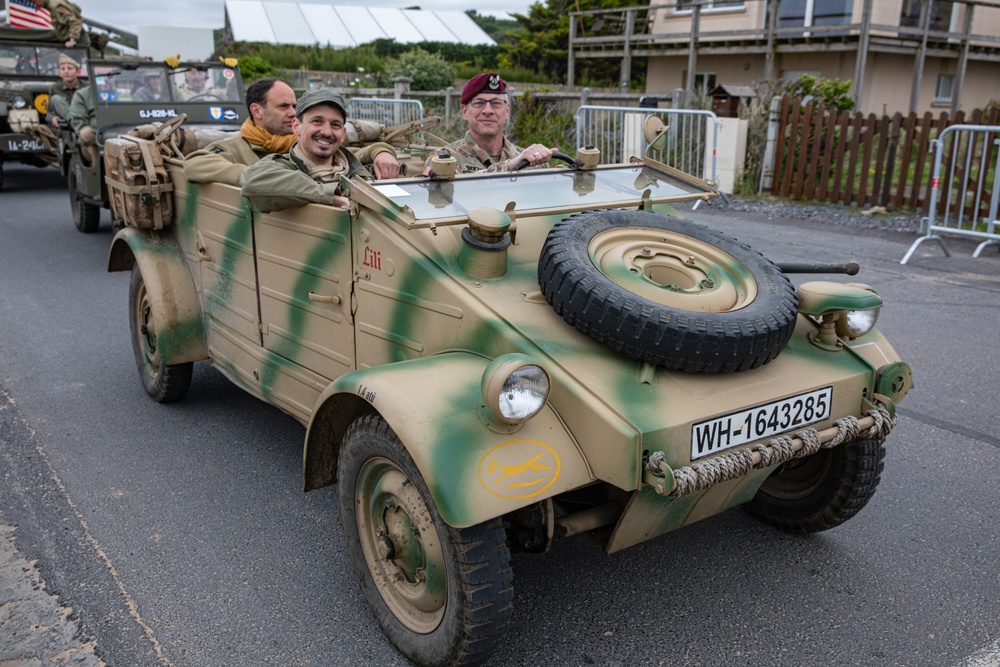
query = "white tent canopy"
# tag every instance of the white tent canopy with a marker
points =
(342, 26)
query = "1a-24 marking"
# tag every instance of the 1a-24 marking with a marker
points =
(763, 421)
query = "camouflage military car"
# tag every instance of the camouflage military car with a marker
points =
(127, 93)
(29, 65)
(487, 363)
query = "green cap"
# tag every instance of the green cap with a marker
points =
(311, 98)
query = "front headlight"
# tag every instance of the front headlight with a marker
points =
(19, 102)
(856, 323)
(514, 388)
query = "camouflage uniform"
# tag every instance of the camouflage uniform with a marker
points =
(278, 182)
(67, 22)
(471, 158)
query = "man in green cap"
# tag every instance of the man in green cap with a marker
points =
(310, 172)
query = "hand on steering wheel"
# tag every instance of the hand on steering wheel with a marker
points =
(556, 155)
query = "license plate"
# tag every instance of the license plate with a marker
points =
(763, 421)
(24, 146)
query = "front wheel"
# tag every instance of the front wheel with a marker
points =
(821, 491)
(164, 382)
(442, 595)
(86, 216)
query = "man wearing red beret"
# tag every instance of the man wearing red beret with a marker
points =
(485, 107)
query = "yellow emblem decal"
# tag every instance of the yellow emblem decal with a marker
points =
(519, 469)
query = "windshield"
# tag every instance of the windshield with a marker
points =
(597, 188)
(35, 60)
(156, 84)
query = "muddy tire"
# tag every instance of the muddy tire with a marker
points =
(164, 382)
(820, 491)
(86, 216)
(442, 595)
(667, 291)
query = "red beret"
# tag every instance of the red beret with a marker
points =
(488, 82)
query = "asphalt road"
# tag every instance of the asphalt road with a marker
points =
(180, 536)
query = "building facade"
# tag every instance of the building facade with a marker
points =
(900, 55)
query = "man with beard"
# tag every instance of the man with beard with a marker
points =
(269, 129)
(310, 172)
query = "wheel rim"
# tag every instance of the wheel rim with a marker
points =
(145, 331)
(673, 270)
(799, 478)
(401, 545)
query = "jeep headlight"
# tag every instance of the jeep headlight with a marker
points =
(19, 102)
(853, 306)
(515, 388)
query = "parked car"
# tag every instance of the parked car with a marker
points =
(29, 65)
(488, 363)
(127, 93)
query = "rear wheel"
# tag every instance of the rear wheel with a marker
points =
(86, 216)
(164, 382)
(442, 595)
(821, 491)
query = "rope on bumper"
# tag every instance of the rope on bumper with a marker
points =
(808, 441)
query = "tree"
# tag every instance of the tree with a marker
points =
(831, 93)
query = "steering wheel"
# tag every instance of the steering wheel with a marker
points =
(204, 96)
(522, 163)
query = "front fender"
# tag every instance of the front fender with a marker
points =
(171, 291)
(434, 405)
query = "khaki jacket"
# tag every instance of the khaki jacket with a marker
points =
(224, 160)
(278, 182)
(67, 22)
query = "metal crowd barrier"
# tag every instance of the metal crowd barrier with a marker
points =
(972, 182)
(692, 136)
(387, 111)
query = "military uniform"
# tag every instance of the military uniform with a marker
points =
(184, 92)
(81, 118)
(67, 22)
(60, 97)
(471, 158)
(278, 182)
(223, 161)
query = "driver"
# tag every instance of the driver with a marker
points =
(486, 107)
(195, 84)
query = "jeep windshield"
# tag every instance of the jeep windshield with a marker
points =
(617, 185)
(207, 84)
(35, 60)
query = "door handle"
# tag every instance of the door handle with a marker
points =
(322, 298)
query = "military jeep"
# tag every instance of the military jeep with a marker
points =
(127, 93)
(29, 65)
(488, 363)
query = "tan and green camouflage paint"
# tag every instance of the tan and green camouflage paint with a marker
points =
(399, 327)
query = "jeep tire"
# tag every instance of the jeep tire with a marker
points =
(164, 382)
(667, 291)
(442, 595)
(821, 491)
(86, 216)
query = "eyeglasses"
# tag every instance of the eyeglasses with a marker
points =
(480, 104)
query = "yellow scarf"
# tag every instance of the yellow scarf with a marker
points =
(273, 143)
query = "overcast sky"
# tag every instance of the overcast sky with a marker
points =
(130, 14)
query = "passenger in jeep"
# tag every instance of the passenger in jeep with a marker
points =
(61, 92)
(271, 103)
(310, 172)
(486, 107)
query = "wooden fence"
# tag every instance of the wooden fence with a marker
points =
(826, 156)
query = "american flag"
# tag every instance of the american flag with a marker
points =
(24, 14)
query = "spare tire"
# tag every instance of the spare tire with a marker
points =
(667, 291)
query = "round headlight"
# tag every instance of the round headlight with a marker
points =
(856, 323)
(515, 388)
(19, 102)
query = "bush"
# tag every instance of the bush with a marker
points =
(536, 122)
(427, 71)
(253, 68)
